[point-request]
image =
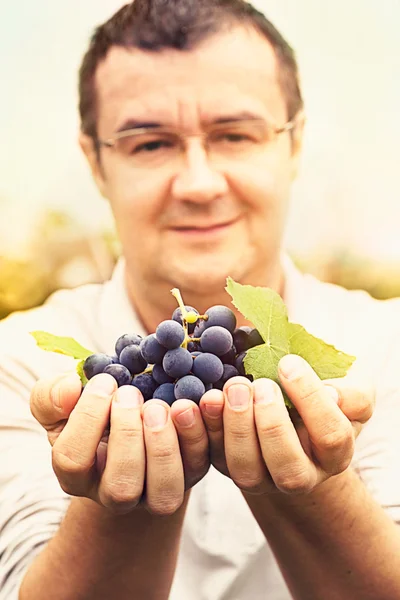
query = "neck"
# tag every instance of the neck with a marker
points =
(153, 301)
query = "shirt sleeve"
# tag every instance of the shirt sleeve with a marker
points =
(32, 504)
(377, 457)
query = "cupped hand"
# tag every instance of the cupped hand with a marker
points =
(110, 446)
(263, 449)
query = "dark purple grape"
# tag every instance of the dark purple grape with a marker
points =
(241, 339)
(221, 316)
(177, 316)
(170, 334)
(120, 374)
(177, 362)
(229, 372)
(128, 339)
(160, 376)
(165, 392)
(189, 388)
(200, 327)
(152, 351)
(195, 354)
(255, 339)
(146, 385)
(216, 340)
(95, 364)
(229, 357)
(239, 364)
(193, 347)
(132, 359)
(208, 368)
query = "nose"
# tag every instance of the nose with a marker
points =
(197, 181)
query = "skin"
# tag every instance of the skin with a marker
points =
(191, 90)
(163, 451)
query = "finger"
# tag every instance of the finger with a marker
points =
(165, 485)
(242, 450)
(356, 401)
(331, 433)
(193, 440)
(212, 407)
(291, 469)
(52, 400)
(74, 452)
(122, 482)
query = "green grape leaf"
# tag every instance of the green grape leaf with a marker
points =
(79, 370)
(265, 309)
(325, 359)
(62, 345)
(262, 361)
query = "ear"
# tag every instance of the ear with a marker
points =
(297, 143)
(88, 147)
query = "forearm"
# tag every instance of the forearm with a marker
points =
(98, 555)
(334, 543)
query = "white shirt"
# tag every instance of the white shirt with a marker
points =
(223, 553)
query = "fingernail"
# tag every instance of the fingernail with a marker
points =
(213, 410)
(185, 418)
(265, 391)
(155, 416)
(291, 366)
(127, 397)
(333, 392)
(238, 396)
(102, 383)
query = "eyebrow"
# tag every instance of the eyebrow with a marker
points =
(132, 124)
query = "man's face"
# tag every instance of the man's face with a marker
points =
(191, 216)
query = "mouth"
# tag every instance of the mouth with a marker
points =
(205, 230)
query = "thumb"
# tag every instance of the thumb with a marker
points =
(52, 400)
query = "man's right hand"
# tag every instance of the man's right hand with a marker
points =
(148, 460)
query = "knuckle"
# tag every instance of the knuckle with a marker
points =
(64, 463)
(127, 431)
(251, 485)
(293, 482)
(121, 496)
(162, 454)
(166, 506)
(91, 413)
(193, 438)
(272, 431)
(336, 441)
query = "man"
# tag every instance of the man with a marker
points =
(192, 126)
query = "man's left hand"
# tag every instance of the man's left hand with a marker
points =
(263, 448)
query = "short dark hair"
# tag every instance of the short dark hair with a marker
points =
(181, 24)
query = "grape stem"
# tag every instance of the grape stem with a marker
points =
(178, 297)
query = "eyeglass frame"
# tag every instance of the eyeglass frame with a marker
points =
(111, 142)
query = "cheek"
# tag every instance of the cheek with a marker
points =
(136, 201)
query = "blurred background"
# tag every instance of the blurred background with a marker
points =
(56, 231)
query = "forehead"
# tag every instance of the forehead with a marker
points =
(227, 74)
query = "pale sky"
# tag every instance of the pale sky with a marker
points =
(348, 192)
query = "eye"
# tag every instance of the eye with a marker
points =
(235, 137)
(151, 146)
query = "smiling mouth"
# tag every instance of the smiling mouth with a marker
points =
(205, 230)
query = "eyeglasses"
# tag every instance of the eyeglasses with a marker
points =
(155, 146)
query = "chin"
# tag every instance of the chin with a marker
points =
(207, 275)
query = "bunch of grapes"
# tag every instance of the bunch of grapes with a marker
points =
(185, 357)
